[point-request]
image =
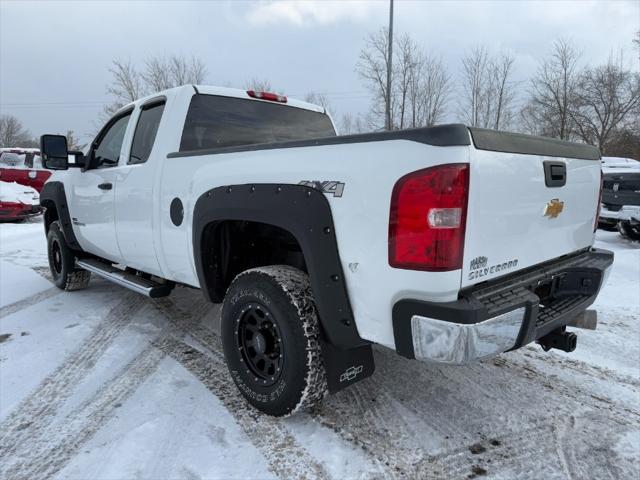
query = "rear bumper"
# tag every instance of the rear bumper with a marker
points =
(629, 213)
(501, 315)
(16, 211)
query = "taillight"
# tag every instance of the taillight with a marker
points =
(599, 207)
(272, 97)
(427, 219)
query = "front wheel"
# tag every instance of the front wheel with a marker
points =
(62, 262)
(270, 336)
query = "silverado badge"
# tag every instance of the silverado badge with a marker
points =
(553, 208)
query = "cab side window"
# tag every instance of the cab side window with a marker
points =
(107, 152)
(145, 134)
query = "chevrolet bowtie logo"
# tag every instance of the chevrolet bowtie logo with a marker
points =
(553, 208)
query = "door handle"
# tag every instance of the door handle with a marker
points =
(555, 173)
(105, 186)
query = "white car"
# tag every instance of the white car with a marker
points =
(448, 244)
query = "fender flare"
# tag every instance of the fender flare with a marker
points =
(306, 214)
(53, 192)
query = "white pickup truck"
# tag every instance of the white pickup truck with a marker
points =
(448, 244)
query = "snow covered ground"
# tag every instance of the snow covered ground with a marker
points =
(107, 384)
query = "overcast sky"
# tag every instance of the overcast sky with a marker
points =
(55, 55)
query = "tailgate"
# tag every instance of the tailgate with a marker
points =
(522, 212)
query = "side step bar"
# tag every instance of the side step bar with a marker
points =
(133, 282)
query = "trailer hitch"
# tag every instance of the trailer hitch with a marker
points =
(559, 339)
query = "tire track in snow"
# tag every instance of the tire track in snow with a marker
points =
(36, 412)
(368, 419)
(556, 447)
(39, 457)
(286, 458)
(21, 434)
(29, 301)
(44, 457)
(517, 392)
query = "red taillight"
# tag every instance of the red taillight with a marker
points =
(427, 219)
(595, 225)
(272, 97)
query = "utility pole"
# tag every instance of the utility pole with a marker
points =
(387, 120)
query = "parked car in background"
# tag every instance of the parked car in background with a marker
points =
(621, 196)
(23, 166)
(18, 202)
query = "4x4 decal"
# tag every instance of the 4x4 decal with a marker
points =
(332, 187)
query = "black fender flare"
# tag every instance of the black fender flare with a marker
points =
(54, 193)
(306, 214)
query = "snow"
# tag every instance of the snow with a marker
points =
(107, 384)
(14, 192)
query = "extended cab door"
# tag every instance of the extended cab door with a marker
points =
(93, 199)
(134, 193)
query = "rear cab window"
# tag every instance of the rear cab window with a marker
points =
(215, 122)
(146, 130)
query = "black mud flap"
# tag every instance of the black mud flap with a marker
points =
(346, 366)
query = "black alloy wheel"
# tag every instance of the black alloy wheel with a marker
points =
(260, 343)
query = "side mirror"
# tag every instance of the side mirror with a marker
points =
(53, 149)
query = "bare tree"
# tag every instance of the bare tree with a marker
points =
(260, 85)
(161, 73)
(128, 83)
(553, 93)
(429, 91)
(420, 86)
(156, 75)
(476, 85)
(13, 134)
(503, 94)
(350, 124)
(406, 72)
(372, 67)
(320, 99)
(607, 100)
(73, 142)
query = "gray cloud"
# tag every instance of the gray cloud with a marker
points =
(54, 56)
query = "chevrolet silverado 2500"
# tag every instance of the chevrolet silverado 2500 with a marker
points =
(448, 244)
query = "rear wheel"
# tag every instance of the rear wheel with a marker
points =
(632, 232)
(271, 342)
(62, 262)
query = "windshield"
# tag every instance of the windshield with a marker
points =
(214, 122)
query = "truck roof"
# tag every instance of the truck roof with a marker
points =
(228, 92)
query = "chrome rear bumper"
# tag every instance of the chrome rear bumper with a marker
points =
(458, 344)
(501, 315)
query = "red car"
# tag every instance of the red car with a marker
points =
(18, 202)
(21, 179)
(23, 166)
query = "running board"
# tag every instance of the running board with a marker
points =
(133, 282)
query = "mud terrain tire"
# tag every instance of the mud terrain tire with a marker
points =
(270, 336)
(62, 262)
